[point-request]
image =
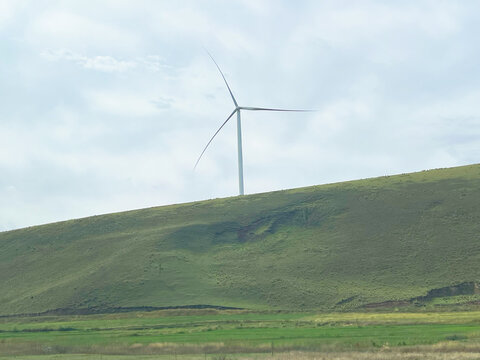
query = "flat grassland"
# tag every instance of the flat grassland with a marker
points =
(229, 334)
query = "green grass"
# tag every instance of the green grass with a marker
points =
(233, 332)
(331, 248)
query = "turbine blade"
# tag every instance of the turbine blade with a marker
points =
(223, 76)
(220, 128)
(270, 109)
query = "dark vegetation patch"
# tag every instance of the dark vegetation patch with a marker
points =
(113, 310)
(465, 288)
(387, 304)
(38, 330)
(456, 337)
(347, 300)
(202, 237)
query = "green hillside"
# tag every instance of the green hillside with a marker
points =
(328, 247)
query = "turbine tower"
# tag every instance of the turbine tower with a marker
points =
(237, 110)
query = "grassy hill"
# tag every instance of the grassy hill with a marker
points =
(328, 247)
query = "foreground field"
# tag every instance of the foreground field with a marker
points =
(420, 354)
(243, 335)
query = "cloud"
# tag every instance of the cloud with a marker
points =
(124, 103)
(162, 103)
(58, 26)
(105, 63)
(153, 63)
(108, 64)
(9, 9)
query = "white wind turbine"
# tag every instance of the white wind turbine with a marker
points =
(239, 127)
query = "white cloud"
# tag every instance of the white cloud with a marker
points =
(67, 29)
(375, 20)
(100, 63)
(108, 63)
(153, 62)
(122, 103)
(14, 149)
(9, 9)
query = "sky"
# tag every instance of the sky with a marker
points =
(106, 105)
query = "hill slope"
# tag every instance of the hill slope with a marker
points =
(324, 247)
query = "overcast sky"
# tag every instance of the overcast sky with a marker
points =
(106, 105)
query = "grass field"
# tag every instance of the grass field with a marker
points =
(325, 248)
(240, 334)
(418, 354)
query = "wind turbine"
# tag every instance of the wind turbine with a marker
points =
(239, 127)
